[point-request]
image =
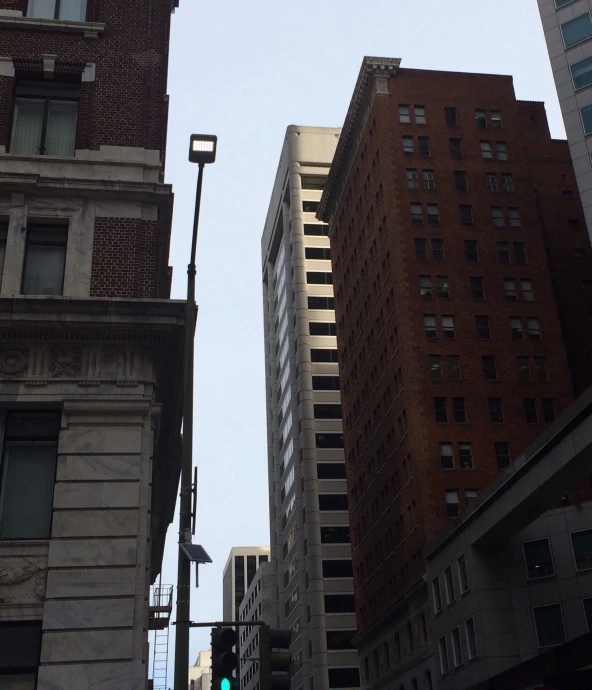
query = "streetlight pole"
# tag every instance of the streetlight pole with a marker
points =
(202, 150)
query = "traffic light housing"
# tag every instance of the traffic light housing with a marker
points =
(224, 660)
(274, 659)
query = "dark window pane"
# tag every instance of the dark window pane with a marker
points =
(538, 559)
(489, 367)
(582, 548)
(440, 410)
(325, 383)
(321, 303)
(456, 148)
(458, 405)
(438, 250)
(316, 229)
(502, 454)
(326, 411)
(20, 646)
(471, 250)
(340, 639)
(335, 535)
(310, 206)
(482, 323)
(317, 355)
(339, 603)
(496, 413)
(344, 677)
(549, 625)
(435, 366)
(548, 410)
(530, 410)
(319, 278)
(421, 252)
(322, 328)
(325, 440)
(330, 470)
(317, 253)
(450, 116)
(337, 568)
(332, 501)
(453, 362)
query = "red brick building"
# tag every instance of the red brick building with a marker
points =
(89, 417)
(462, 274)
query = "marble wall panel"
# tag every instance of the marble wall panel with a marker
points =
(94, 523)
(88, 613)
(98, 467)
(106, 676)
(78, 553)
(86, 645)
(96, 495)
(91, 582)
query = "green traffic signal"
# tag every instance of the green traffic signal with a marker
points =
(225, 684)
(228, 683)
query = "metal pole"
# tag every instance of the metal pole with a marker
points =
(184, 564)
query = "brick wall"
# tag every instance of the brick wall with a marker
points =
(125, 255)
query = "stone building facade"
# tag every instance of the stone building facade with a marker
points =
(89, 417)
(454, 221)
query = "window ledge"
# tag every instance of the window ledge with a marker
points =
(89, 29)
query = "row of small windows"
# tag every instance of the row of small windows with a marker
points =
(500, 217)
(483, 118)
(492, 183)
(438, 365)
(459, 412)
(439, 286)
(496, 150)
(323, 253)
(482, 325)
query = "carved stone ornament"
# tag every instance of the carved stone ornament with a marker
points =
(13, 362)
(65, 360)
(22, 579)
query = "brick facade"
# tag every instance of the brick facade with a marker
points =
(396, 482)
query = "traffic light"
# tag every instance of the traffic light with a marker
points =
(224, 660)
(274, 662)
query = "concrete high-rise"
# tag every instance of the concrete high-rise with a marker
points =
(310, 541)
(455, 227)
(568, 32)
(239, 571)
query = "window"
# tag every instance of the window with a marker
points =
(477, 288)
(317, 253)
(576, 30)
(339, 603)
(516, 328)
(520, 252)
(586, 115)
(459, 410)
(581, 543)
(423, 146)
(326, 440)
(410, 645)
(486, 152)
(503, 252)
(331, 470)
(339, 639)
(326, 411)
(322, 328)
(387, 655)
(429, 181)
(534, 329)
(348, 677)
(323, 355)
(502, 454)
(581, 73)
(450, 116)
(460, 181)
(404, 115)
(508, 183)
(420, 116)
(466, 214)
(456, 148)
(452, 505)
(440, 410)
(562, 3)
(408, 146)
(457, 647)
(510, 289)
(497, 216)
(45, 259)
(429, 324)
(443, 649)
(496, 411)
(496, 119)
(316, 229)
(526, 290)
(416, 214)
(319, 278)
(421, 250)
(588, 613)
(435, 366)
(481, 119)
(321, 303)
(335, 535)
(442, 287)
(453, 367)
(436, 596)
(471, 638)
(470, 495)
(438, 250)
(433, 214)
(412, 182)
(3, 239)
(448, 326)
(465, 456)
(538, 559)
(523, 368)
(540, 368)
(66, 10)
(489, 367)
(548, 621)
(332, 501)
(425, 286)
(482, 323)
(310, 206)
(45, 117)
(27, 475)
(501, 150)
(446, 456)
(463, 573)
(491, 182)
(337, 568)
(513, 217)
(530, 411)
(20, 650)
(548, 410)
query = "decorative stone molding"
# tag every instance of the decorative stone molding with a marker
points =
(65, 360)
(22, 580)
(13, 361)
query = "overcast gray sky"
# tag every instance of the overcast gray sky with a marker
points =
(245, 71)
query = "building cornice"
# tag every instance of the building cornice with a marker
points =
(372, 82)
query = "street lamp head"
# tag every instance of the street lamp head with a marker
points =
(202, 148)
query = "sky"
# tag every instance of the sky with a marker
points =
(245, 71)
